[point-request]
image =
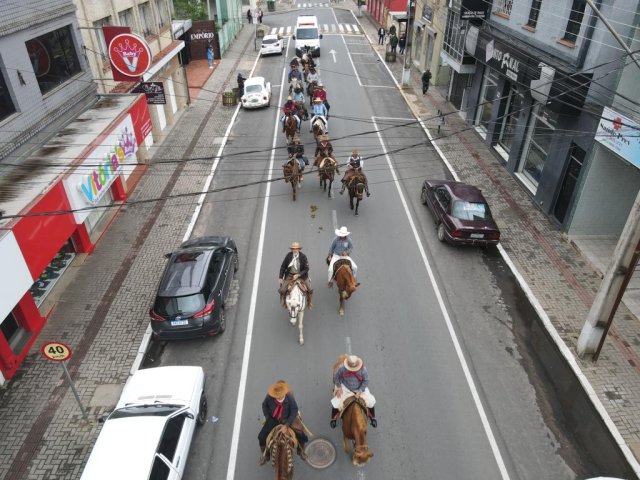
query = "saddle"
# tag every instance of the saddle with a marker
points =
(339, 264)
(325, 161)
(359, 403)
(301, 285)
(276, 431)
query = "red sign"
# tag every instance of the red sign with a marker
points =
(141, 120)
(130, 56)
(39, 57)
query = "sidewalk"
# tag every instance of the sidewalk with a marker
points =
(563, 281)
(103, 312)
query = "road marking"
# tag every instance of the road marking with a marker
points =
(341, 28)
(355, 28)
(288, 33)
(380, 86)
(347, 342)
(463, 363)
(334, 219)
(233, 454)
(352, 64)
(348, 27)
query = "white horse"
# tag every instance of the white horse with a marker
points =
(296, 302)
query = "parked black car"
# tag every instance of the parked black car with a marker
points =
(193, 289)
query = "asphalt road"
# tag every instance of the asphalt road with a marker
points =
(458, 394)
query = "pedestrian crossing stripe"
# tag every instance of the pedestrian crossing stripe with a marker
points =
(311, 5)
(341, 28)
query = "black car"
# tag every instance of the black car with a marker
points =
(193, 289)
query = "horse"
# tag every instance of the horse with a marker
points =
(290, 127)
(317, 128)
(345, 281)
(327, 169)
(281, 443)
(311, 90)
(354, 426)
(291, 172)
(295, 83)
(296, 302)
(356, 186)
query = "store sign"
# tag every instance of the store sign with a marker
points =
(504, 59)
(154, 91)
(472, 9)
(130, 55)
(619, 134)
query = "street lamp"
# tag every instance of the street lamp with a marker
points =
(406, 67)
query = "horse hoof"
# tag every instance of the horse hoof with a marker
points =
(341, 312)
(301, 341)
(293, 321)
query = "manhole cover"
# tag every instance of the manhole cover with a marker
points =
(320, 453)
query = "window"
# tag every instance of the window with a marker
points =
(488, 95)
(454, 36)
(510, 119)
(160, 470)
(102, 45)
(6, 103)
(575, 21)
(53, 57)
(504, 7)
(125, 18)
(533, 13)
(146, 19)
(541, 133)
(171, 436)
(162, 13)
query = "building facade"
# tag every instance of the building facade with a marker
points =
(427, 38)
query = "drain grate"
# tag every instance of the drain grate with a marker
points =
(320, 453)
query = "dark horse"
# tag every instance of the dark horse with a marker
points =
(292, 174)
(345, 281)
(356, 185)
(354, 426)
(327, 169)
(290, 127)
(282, 443)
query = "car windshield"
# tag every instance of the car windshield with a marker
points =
(307, 33)
(253, 89)
(269, 41)
(147, 410)
(170, 306)
(471, 210)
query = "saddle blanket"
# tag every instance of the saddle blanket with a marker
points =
(334, 259)
(338, 402)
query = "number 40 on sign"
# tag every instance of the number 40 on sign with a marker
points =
(56, 351)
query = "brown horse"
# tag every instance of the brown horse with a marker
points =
(327, 169)
(311, 89)
(345, 281)
(354, 426)
(292, 174)
(282, 443)
(356, 185)
(290, 127)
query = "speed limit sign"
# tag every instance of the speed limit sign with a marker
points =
(56, 351)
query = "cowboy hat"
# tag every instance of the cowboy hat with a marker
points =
(279, 389)
(296, 245)
(353, 363)
(317, 99)
(289, 97)
(342, 232)
(320, 84)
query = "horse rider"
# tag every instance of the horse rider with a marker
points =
(340, 249)
(352, 379)
(299, 159)
(296, 149)
(312, 75)
(279, 407)
(298, 98)
(319, 111)
(290, 108)
(322, 93)
(295, 265)
(354, 167)
(295, 73)
(324, 147)
(295, 62)
(311, 88)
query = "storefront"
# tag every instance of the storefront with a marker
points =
(88, 169)
(522, 105)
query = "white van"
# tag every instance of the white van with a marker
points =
(307, 35)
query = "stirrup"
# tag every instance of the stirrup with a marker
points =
(333, 423)
(373, 422)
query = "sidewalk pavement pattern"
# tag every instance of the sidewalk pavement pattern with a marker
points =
(102, 314)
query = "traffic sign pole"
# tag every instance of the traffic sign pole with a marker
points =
(73, 389)
(59, 352)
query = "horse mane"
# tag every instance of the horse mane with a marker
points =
(284, 441)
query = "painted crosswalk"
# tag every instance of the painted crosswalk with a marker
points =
(340, 28)
(312, 5)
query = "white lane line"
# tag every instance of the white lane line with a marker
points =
(233, 454)
(352, 64)
(355, 28)
(347, 341)
(380, 86)
(334, 219)
(404, 119)
(288, 32)
(341, 28)
(333, 28)
(463, 363)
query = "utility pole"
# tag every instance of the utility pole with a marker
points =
(406, 67)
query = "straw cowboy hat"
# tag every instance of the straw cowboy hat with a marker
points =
(353, 363)
(317, 99)
(279, 389)
(296, 246)
(342, 232)
(320, 84)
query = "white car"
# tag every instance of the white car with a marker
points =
(257, 93)
(149, 433)
(272, 44)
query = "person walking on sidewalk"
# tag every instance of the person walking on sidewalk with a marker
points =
(426, 76)
(260, 14)
(393, 42)
(249, 16)
(402, 43)
(381, 34)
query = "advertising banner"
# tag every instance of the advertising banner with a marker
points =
(620, 134)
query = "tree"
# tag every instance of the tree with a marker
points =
(190, 9)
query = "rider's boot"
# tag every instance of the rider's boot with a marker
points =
(283, 301)
(264, 456)
(309, 299)
(301, 452)
(334, 417)
(372, 417)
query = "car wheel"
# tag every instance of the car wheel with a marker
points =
(223, 322)
(269, 102)
(423, 196)
(202, 411)
(441, 233)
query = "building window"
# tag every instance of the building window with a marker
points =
(102, 45)
(146, 19)
(125, 18)
(454, 36)
(533, 13)
(488, 94)
(6, 103)
(53, 57)
(162, 13)
(504, 7)
(509, 120)
(541, 132)
(575, 21)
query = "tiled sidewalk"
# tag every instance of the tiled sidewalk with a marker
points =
(562, 280)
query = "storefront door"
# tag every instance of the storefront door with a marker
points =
(487, 99)
(539, 136)
(510, 119)
(576, 159)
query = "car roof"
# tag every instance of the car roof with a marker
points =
(169, 384)
(185, 272)
(125, 448)
(461, 191)
(254, 81)
(271, 37)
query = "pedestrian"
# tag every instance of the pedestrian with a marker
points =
(426, 76)
(402, 43)
(260, 14)
(393, 41)
(210, 55)
(381, 34)
(249, 16)
(392, 30)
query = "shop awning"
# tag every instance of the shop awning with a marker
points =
(179, 27)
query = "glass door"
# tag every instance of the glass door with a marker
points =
(510, 119)
(539, 137)
(486, 100)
